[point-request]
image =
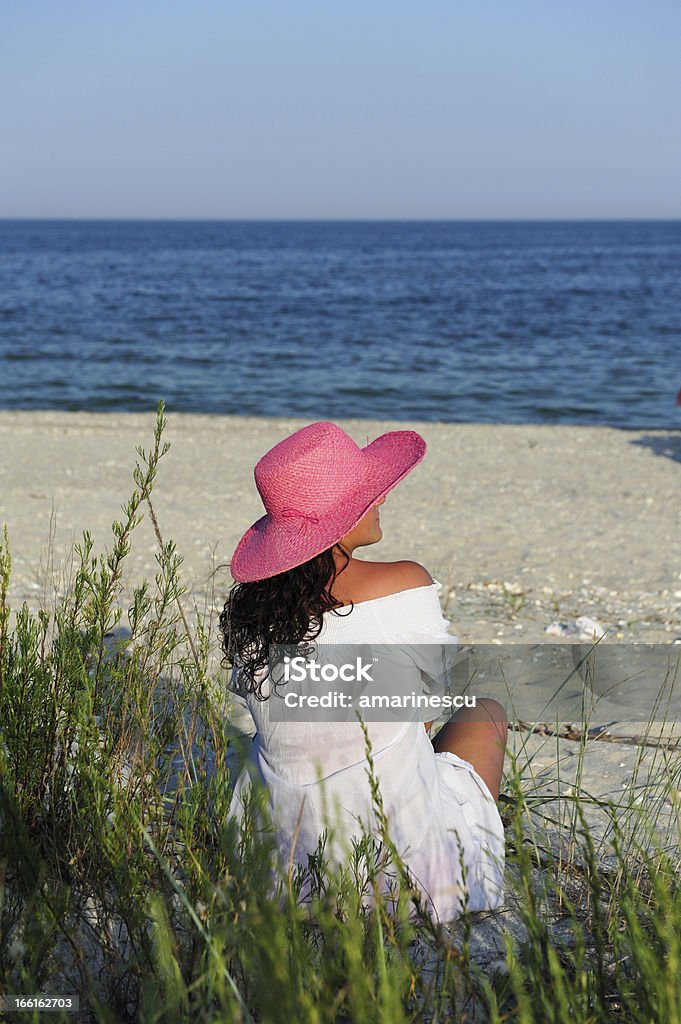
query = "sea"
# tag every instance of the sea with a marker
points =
(483, 322)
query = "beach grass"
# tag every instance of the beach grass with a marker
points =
(123, 881)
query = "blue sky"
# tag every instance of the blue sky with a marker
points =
(452, 109)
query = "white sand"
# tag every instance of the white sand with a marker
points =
(524, 525)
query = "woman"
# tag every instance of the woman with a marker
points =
(299, 581)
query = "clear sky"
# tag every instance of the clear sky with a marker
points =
(329, 109)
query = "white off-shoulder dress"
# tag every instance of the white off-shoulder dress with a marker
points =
(441, 814)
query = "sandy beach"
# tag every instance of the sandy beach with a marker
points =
(523, 525)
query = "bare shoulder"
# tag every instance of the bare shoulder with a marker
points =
(369, 580)
(410, 574)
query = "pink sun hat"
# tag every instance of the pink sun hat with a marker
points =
(316, 485)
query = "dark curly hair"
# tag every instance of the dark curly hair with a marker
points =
(286, 610)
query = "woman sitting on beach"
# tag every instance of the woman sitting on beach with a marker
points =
(298, 580)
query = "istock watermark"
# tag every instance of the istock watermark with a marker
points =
(378, 682)
(542, 682)
(299, 669)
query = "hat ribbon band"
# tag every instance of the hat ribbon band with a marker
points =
(303, 518)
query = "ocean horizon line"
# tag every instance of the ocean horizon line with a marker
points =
(338, 220)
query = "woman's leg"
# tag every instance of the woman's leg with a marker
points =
(478, 735)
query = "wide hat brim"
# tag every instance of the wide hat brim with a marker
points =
(272, 546)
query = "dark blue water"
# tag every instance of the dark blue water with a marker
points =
(511, 322)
